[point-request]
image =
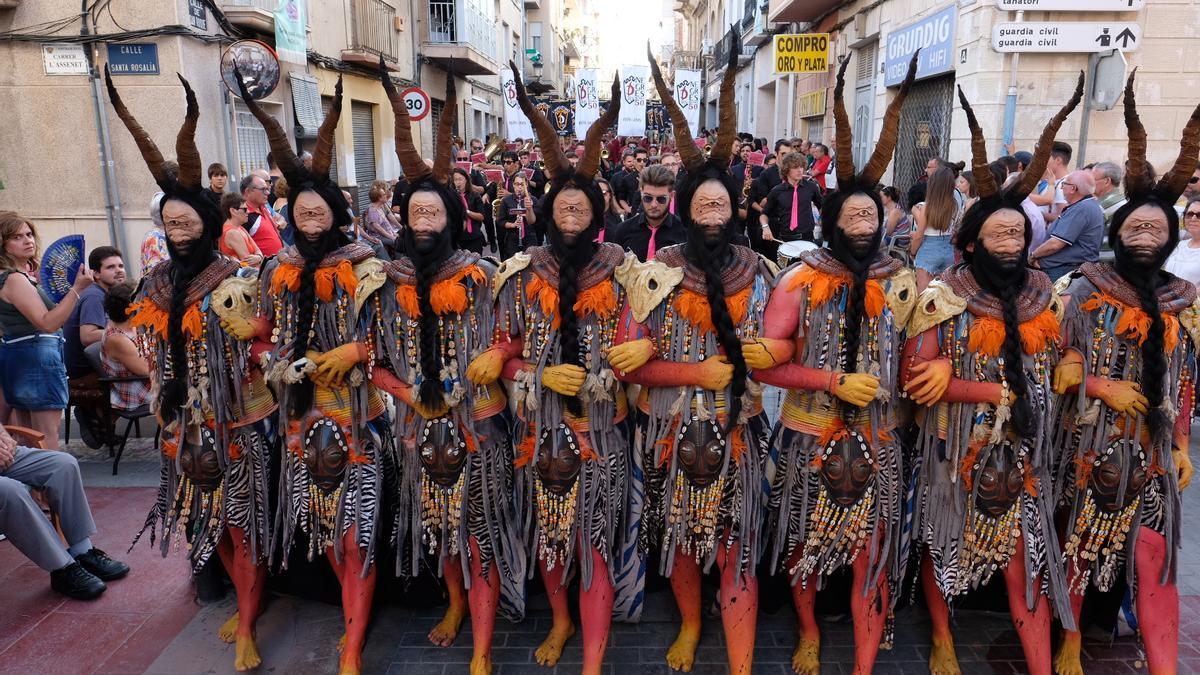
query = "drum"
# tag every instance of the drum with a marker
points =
(789, 251)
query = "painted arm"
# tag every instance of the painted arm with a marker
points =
(1183, 427)
(782, 321)
(632, 358)
(387, 381)
(929, 379)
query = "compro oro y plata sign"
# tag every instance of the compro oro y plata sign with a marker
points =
(803, 53)
(1052, 36)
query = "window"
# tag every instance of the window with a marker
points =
(252, 143)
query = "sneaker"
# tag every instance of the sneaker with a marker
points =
(86, 425)
(75, 582)
(105, 568)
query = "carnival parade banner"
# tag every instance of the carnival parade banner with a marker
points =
(515, 122)
(632, 120)
(587, 100)
(687, 94)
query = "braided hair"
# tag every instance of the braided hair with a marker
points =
(572, 259)
(1146, 278)
(425, 265)
(300, 395)
(841, 249)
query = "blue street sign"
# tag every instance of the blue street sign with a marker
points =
(933, 35)
(134, 58)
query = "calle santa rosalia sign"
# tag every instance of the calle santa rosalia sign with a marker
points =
(133, 58)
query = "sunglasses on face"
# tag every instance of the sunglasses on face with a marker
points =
(1193, 180)
(1192, 214)
(650, 199)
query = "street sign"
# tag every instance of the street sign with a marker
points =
(1072, 5)
(417, 103)
(1107, 79)
(133, 58)
(64, 59)
(933, 35)
(197, 15)
(1054, 36)
(802, 53)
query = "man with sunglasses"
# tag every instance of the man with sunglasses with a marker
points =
(255, 190)
(510, 162)
(1075, 236)
(654, 227)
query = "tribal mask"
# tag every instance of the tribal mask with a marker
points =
(558, 460)
(999, 481)
(701, 450)
(846, 469)
(442, 451)
(198, 458)
(1106, 477)
(326, 452)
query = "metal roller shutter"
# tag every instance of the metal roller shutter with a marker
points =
(362, 117)
(864, 104)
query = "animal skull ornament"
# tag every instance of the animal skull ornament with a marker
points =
(442, 451)
(235, 297)
(702, 449)
(558, 461)
(326, 453)
(198, 458)
(1000, 480)
(1119, 457)
(847, 469)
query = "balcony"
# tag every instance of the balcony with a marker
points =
(256, 15)
(759, 33)
(721, 53)
(462, 37)
(687, 60)
(373, 33)
(533, 4)
(799, 11)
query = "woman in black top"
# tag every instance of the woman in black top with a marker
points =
(611, 217)
(776, 218)
(473, 238)
(517, 226)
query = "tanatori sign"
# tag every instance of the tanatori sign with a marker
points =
(802, 53)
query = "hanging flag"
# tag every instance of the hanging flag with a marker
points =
(687, 95)
(632, 119)
(291, 38)
(516, 123)
(587, 102)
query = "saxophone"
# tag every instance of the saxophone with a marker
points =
(746, 188)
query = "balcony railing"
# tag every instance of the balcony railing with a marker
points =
(373, 28)
(721, 50)
(257, 15)
(265, 5)
(685, 59)
(462, 22)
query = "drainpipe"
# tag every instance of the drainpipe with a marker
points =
(227, 111)
(112, 198)
(1010, 103)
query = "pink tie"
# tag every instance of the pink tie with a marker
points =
(600, 239)
(650, 244)
(467, 219)
(795, 209)
(671, 208)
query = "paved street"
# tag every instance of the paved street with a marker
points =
(150, 623)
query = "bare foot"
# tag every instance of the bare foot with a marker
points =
(481, 665)
(552, 647)
(246, 654)
(446, 630)
(1066, 662)
(682, 653)
(350, 664)
(806, 660)
(228, 630)
(942, 659)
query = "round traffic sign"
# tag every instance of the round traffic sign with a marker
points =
(417, 103)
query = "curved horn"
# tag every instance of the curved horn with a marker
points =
(985, 182)
(323, 150)
(1137, 173)
(844, 138)
(1176, 180)
(552, 153)
(592, 141)
(685, 145)
(411, 164)
(445, 133)
(1041, 154)
(882, 156)
(727, 114)
(150, 152)
(186, 152)
(285, 157)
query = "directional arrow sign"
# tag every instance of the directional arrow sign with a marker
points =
(1066, 37)
(1072, 5)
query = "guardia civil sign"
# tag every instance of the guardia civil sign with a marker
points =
(802, 53)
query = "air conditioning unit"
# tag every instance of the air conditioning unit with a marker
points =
(706, 47)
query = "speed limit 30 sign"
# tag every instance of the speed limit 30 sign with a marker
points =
(417, 103)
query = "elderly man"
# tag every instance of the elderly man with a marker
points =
(1108, 188)
(254, 190)
(1074, 238)
(78, 571)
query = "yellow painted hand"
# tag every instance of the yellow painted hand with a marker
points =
(486, 368)
(1183, 464)
(761, 353)
(1069, 372)
(333, 365)
(629, 356)
(855, 388)
(715, 373)
(240, 327)
(1122, 396)
(929, 381)
(565, 378)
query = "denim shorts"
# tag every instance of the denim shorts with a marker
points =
(935, 255)
(33, 374)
